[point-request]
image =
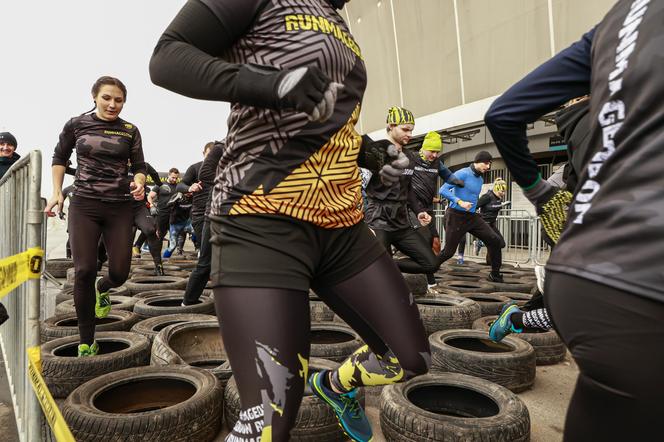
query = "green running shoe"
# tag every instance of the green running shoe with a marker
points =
(102, 302)
(503, 326)
(88, 350)
(349, 412)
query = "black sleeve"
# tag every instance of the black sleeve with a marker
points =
(136, 155)
(66, 144)
(185, 59)
(189, 178)
(153, 174)
(208, 171)
(558, 80)
(484, 200)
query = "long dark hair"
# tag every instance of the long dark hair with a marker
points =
(103, 81)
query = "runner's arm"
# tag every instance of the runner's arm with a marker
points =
(208, 171)
(563, 77)
(187, 59)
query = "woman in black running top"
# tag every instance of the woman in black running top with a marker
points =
(101, 202)
(285, 213)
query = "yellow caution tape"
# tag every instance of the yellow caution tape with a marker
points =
(51, 411)
(17, 269)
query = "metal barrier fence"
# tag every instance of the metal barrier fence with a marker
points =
(21, 229)
(522, 233)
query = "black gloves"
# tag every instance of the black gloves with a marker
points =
(383, 158)
(390, 173)
(305, 89)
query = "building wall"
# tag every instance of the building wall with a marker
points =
(418, 57)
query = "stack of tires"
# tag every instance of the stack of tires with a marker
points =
(469, 393)
(117, 395)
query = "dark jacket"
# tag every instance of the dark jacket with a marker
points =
(6, 163)
(574, 126)
(489, 205)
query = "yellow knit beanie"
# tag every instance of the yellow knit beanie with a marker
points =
(432, 142)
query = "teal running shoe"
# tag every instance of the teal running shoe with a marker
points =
(349, 412)
(503, 326)
(102, 302)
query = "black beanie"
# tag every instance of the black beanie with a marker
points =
(8, 138)
(483, 157)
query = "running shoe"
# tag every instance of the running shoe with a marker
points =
(159, 270)
(460, 259)
(349, 412)
(88, 350)
(495, 277)
(102, 301)
(135, 252)
(503, 326)
(168, 253)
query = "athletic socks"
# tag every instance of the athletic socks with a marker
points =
(536, 319)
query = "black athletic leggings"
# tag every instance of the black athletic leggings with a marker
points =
(89, 221)
(163, 225)
(413, 244)
(147, 225)
(266, 336)
(462, 242)
(617, 339)
(201, 274)
(458, 223)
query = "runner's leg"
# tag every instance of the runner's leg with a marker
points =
(200, 275)
(85, 227)
(266, 336)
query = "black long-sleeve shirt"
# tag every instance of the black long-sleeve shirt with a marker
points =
(199, 199)
(618, 206)
(387, 205)
(275, 161)
(103, 150)
(208, 171)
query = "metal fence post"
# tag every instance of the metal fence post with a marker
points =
(21, 229)
(35, 217)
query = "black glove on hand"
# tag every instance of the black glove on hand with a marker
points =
(390, 173)
(552, 204)
(306, 89)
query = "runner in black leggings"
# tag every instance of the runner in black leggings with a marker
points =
(286, 213)
(388, 203)
(146, 223)
(201, 274)
(190, 183)
(101, 203)
(604, 277)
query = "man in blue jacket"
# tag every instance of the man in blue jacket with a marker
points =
(461, 215)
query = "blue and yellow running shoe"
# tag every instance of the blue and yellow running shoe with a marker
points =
(102, 302)
(347, 408)
(503, 326)
(88, 350)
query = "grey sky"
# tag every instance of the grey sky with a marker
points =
(52, 52)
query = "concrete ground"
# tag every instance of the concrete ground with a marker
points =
(547, 401)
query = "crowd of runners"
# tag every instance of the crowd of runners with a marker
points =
(279, 207)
